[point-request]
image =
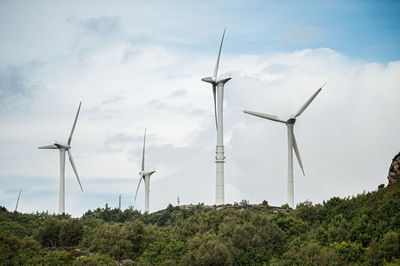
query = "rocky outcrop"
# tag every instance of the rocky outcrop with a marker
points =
(126, 262)
(394, 170)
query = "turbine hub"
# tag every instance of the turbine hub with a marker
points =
(291, 121)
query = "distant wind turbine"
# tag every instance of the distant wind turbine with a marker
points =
(16, 205)
(218, 93)
(292, 144)
(144, 174)
(65, 148)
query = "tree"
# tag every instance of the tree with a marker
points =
(307, 212)
(109, 240)
(372, 254)
(349, 252)
(106, 241)
(389, 246)
(362, 230)
(9, 244)
(310, 254)
(71, 232)
(48, 233)
(135, 233)
(164, 251)
(291, 225)
(244, 202)
(208, 250)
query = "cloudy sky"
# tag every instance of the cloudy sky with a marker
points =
(139, 64)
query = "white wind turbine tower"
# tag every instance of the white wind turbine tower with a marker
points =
(292, 144)
(65, 148)
(218, 92)
(144, 174)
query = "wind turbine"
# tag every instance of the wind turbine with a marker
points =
(16, 205)
(62, 147)
(145, 175)
(218, 93)
(292, 144)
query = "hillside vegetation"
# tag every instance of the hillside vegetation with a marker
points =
(359, 230)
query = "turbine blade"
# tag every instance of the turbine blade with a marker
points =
(137, 189)
(266, 116)
(219, 54)
(73, 126)
(71, 160)
(144, 148)
(16, 206)
(296, 150)
(215, 106)
(51, 147)
(307, 103)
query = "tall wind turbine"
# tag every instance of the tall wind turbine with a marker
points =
(218, 84)
(292, 144)
(16, 205)
(145, 175)
(62, 147)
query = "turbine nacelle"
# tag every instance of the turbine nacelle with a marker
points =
(63, 146)
(146, 173)
(216, 81)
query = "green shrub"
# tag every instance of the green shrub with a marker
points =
(208, 249)
(349, 252)
(51, 258)
(71, 232)
(389, 246)
(49, 232)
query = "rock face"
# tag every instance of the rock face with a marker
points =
(394, 170)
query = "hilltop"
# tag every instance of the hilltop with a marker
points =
(358, 230)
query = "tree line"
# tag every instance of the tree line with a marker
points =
(358, 230)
